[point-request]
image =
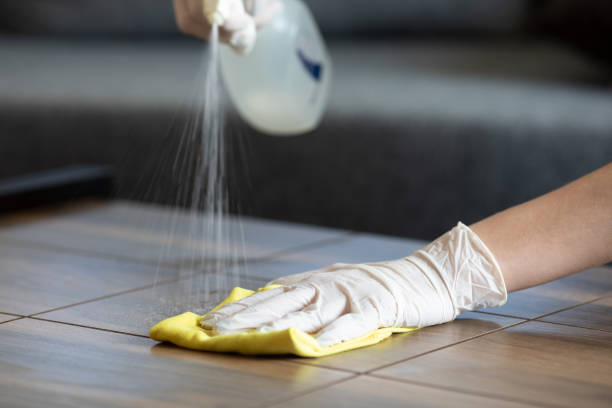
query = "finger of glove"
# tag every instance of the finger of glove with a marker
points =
(241, 32)
(311, 319)
(348, 327)
(230, 309)
(292, 279)
(267, 311)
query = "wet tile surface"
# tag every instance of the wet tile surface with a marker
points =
(136, 312)
(34, 280)
(53, 365)
(595, 315)
(535, 362)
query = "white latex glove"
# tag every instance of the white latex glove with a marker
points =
(239, 19)
(453, 274)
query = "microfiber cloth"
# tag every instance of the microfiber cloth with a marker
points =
(184, 331)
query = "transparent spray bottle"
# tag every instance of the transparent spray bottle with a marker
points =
(281, 87)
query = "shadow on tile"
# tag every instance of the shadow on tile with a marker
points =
(595, 315)
(553, 296)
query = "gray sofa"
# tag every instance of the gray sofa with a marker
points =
(437, 113)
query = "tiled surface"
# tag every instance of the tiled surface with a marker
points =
(595, 315)
(535, 362)
(152, 234)
(33, 280)
(368, 392)
(569, 291)
(136, 312)
(408, 345)
(92, 262)
(52, 365)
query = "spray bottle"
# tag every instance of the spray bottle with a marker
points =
(281, 87)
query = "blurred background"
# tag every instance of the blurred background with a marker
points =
(440, 110)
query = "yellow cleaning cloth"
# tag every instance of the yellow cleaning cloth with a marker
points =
(184, 330)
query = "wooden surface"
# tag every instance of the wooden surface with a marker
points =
(80, 286)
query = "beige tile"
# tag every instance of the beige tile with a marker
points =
(136, 312)
(367, 392)
(553, 296)
(55, 365)
(536, 362)
(34, 280)
(156, 234)
(406, 345)
(596, 315)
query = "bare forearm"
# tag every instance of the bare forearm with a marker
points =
(562, 232)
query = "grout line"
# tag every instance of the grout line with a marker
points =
(13, 314)
(86, 326)
(463, 391)
(523, 320)
(305, 392)
(123, 292)
(306, 362)
(136, 289)
(501, 314)
(573, 325)
(12, 320)
(445, 346)
(537, 317)
(569, 307)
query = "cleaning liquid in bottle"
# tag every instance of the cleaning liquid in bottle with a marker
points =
(281, 87)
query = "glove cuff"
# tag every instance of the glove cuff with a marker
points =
(468, 269)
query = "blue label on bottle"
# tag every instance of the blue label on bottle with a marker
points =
(314, 68)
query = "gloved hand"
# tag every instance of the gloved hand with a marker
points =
(453, 274)
(237, 19)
